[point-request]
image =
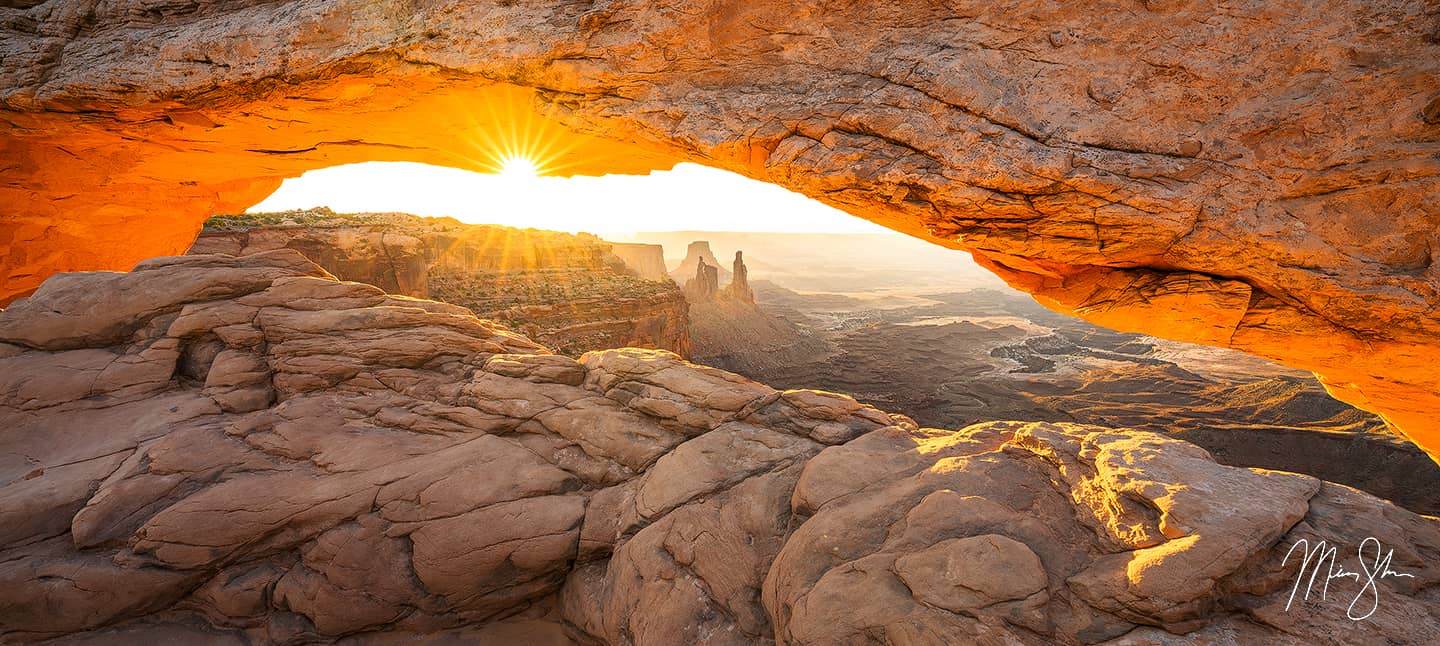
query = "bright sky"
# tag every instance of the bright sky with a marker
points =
(691, 197)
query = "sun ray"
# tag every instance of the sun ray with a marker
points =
(511, 123)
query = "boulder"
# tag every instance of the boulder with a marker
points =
(417, 475)
(1118, 161)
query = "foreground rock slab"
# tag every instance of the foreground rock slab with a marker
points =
(246, 449)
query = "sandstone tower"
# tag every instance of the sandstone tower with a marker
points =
(706, 284)
(696, 252)
(739, 288)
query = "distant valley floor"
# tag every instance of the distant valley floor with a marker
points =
(950, 359)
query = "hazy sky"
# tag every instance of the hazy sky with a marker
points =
(691, 197)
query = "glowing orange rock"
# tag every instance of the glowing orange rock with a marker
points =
(1132, 171)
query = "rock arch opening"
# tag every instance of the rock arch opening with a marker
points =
(242, 447)
(1144, 180)
(686, 197)
(832, 303)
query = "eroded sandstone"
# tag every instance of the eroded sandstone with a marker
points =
(569, 292)
(308, 459)
(1117, 160)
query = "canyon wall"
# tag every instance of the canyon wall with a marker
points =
(219, 449)
(729, 330)
(567, 291)
(745, 338)
(1116, 159)
(646, 260)
(961, 358)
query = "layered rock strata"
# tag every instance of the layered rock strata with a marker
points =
(1117, 160)
(570, 292)
(213, 447)
(646, 260)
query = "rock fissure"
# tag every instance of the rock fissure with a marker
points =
(838, 538)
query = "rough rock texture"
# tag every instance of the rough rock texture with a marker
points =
(1115, 158)
(596, 312)
(249, 441)
(214, 447)
(1043, 533)
(569, 292)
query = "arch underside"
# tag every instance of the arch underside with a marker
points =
(1133, 172)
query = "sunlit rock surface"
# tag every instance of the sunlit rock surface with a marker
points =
(212, 449)
(1119, 160)
(569, 292)
(955, 359)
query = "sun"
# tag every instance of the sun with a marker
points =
(518, 167)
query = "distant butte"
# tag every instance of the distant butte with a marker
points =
(220, 449)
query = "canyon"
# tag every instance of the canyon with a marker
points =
(237, 449)
(929, 361)
(698, 253)
(727, 328)
(874, 318)
(302, 427)
(572, 293)
(960, 358)
(1118, 161)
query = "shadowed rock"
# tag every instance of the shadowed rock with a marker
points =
(213, 447)
(1118, 160)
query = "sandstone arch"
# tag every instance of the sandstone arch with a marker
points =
(1259, 175)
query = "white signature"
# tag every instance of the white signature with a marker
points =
(1372, 571)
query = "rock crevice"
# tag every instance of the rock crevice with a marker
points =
(406, 469)
(1094, 161)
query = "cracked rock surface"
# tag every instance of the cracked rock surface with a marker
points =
(1255, 174)
(226, 450)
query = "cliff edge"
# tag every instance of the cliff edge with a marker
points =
(223, 448)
